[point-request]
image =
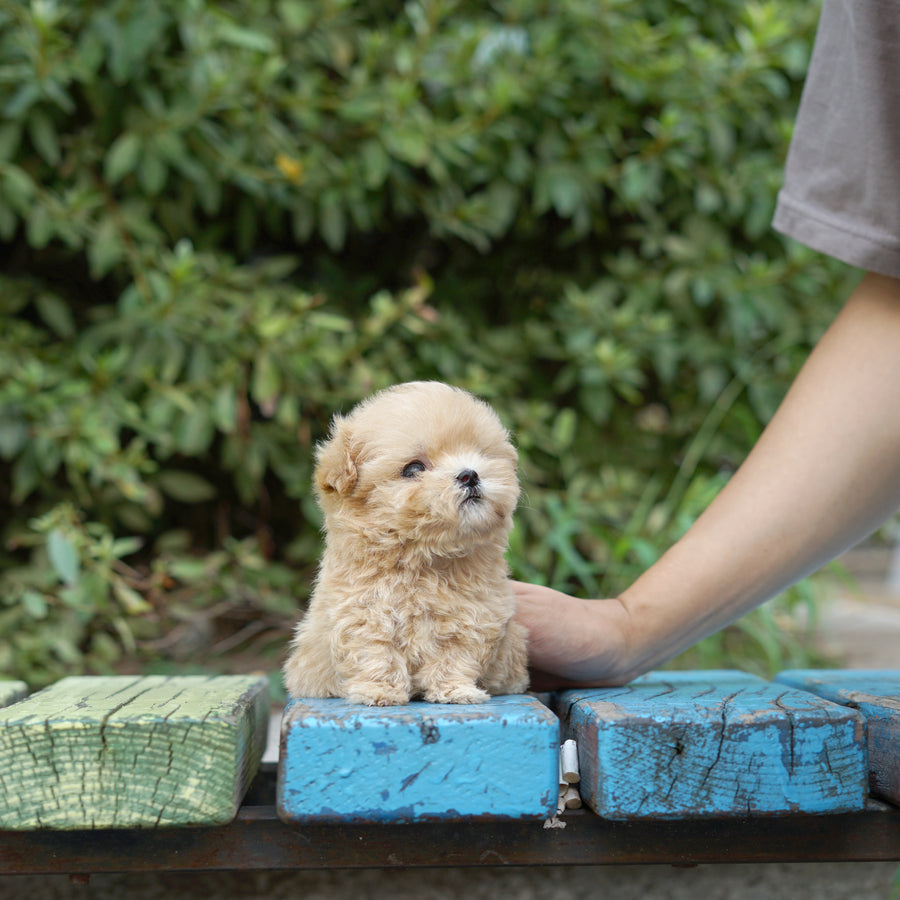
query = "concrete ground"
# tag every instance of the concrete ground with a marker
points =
(861, 621)
(860, 626)
(860, 881)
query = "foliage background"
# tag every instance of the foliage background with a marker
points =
(222, 222)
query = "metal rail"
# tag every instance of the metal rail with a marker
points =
(258, 840)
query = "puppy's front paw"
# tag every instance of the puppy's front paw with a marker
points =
(456, 693)
(373, 694)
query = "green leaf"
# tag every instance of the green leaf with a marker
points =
(331, 322)
(63, 557)
(56, 94)
(43, 135)
(122, 157)
(224, 408)
(18, 189)
(303, 220)
(13, 437)
(26, 476)
(105, 250)
(266, 381)
(56, 314)
(332, 222)
(130, 600)
(35, 604)
(185, 487)
(376, 164)
(189, 570)
(23, 99)
(152, 171)
(246, 39)
(10, 137)
(104, 649)
(8, 222)
(39, 226)
(564, 429)
(126, 546)
(296, 15)
(195, 432)
(636, 184)
(408, 143)
(565, 192)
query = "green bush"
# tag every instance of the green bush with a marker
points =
(222, 222)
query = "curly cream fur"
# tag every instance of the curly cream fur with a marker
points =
(412, 597)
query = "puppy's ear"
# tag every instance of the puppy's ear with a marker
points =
(336, 471)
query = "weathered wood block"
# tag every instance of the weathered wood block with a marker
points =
(130, 752)
(343, 762)
(876, 694)
(11, 691)
(702, 744)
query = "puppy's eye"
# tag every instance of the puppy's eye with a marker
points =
(410, 470)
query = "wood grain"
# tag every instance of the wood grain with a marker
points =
(343, 762)
(703, 744)
(131, 752)
(876, 694)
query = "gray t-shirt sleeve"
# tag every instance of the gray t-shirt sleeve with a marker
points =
(841, 192)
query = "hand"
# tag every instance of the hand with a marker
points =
(571, 641)
(824, 474)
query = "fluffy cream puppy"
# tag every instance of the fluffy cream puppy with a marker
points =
(418, 486)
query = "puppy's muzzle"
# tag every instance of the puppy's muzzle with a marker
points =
(470, 484)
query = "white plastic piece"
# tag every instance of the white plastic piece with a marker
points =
(568, 762)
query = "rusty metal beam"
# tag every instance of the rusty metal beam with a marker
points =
(258, 840)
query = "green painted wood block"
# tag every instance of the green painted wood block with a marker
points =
(11, 691)
(131, 752)
(714, 744)
(876, 694)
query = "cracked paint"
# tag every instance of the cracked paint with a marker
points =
(131, 752)
(682, 745)
(448, 761)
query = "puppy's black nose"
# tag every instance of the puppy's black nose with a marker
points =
(468, 479)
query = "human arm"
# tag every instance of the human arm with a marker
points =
(823, 475)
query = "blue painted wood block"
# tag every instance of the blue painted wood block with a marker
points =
(344, 762)
(703, 744)
(876, 694)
